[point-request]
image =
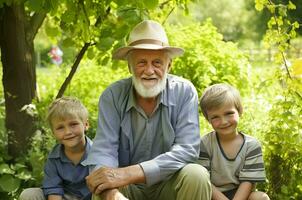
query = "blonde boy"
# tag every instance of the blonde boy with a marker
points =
(233, 158)
(64, 175)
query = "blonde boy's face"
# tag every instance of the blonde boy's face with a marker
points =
(70, 131)
(225, 119)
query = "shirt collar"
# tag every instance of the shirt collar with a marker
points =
(58, 151)
(131, 99)
(167, 98)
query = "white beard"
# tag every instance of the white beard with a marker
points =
(149, 92)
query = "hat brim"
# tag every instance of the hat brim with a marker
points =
(121, 53)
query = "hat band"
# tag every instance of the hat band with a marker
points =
(148, 41)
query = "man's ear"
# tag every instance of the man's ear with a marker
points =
(130, 68)
(169, 65)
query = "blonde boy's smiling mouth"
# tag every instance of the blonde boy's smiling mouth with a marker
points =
(70, 138)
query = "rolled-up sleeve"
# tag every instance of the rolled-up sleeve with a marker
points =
(52, 182)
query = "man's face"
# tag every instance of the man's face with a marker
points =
(149, 68)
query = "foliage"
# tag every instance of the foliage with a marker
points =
(101, 24)
(208, 59)
(235, 21)
(283, 147)
(283, 130)
(14, 176)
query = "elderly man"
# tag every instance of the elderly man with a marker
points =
(148, 129)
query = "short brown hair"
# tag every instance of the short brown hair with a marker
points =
(217, 95)
(66, 107)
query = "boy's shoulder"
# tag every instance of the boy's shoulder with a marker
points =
(55, 151)
(208, 140)
(250, 140)
(208, 136)
(252, 144)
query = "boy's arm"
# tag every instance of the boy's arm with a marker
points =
(243, 191)
(54, 197)
(52, 182)
(217, 195)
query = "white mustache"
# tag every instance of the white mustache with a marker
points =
(149, 77)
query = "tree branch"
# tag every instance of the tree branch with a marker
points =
(78, 59)
(35, 23)
(73, 70)
(170, 12)
(279, 43)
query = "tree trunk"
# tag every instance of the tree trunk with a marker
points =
(19, 77)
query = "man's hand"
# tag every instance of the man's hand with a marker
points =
(106, 178)
(113, 194)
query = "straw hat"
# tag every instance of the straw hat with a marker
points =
(147, 34)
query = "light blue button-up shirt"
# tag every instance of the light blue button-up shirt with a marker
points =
(160, 144)
(62, 176)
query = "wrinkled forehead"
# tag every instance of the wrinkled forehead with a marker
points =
(147, 54)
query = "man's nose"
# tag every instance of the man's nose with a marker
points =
(149, 69)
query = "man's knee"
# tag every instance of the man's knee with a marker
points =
(195, 174)
(32, 194)
(258, 196)
(193, 180)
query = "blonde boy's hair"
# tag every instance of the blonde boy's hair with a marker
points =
(65, 107)
(218, 95)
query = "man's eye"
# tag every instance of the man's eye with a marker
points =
(141, 62)
(157, 63)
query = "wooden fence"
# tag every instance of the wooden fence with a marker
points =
(268, 54)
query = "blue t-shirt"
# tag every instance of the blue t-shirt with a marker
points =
(62, 176)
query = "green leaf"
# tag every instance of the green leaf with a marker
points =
(68, 16)
(259, 7)
(291, 6)
(52, 31)
(151, 4)
(90, 53)
(5, 169)
(8, 183)
(24, 175)
(105, 43)
(35, 5)
(67, 42)
(18, 166)
(130, 16)
(296, 24)
(121, 2)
